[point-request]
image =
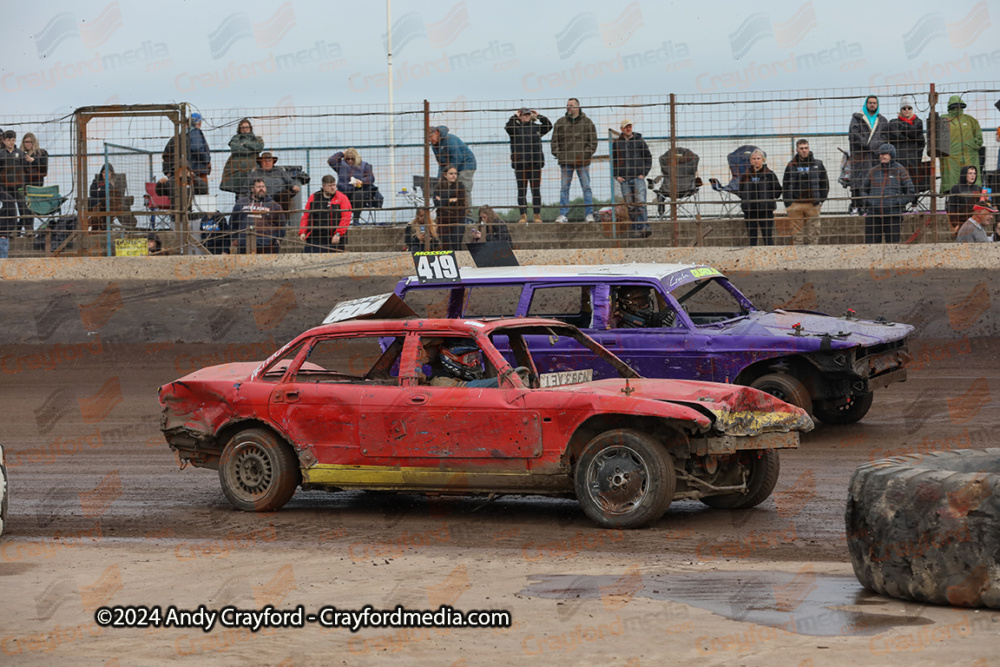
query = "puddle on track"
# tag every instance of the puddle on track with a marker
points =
(805, 603)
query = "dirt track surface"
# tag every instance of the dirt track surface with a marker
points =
(100, 515)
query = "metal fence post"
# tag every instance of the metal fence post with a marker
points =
(673, 164)
(611, 159)
(427, 175)
(932, 151)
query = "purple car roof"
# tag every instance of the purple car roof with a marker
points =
(654, 271)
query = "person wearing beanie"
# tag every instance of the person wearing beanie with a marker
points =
(868, 130)
(906, 133)
(966, 138)
(887, 189)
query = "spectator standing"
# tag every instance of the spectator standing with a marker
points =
(574, 141)
(449, 150)
(962, 197)
(451, 202)
(12, 175)
(101, 191)
(868, 130)
(974, 229)
(36, 168)
(493, 228)
(805, 186)
(526, 129)
(244, 147)
(906, 133)
(630, 162)
(759, 192)
(417, 231)
(326, 217)
(966, 140)
(355, 179)
(199, 155)
(888, 189)
(259, 213)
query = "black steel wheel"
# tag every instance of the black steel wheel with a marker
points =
(258, 472)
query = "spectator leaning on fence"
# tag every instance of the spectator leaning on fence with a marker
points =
(355, 179)
(966, 139)
(868, 130)
(759, 192)
(244, 147)
(974, 229)
(326, 218)
(574, 142)
(259, 213)
(526, 129)
(805, 187)
(630, 162)
(906, 133)
(449, 150)
(888, 189)
(12, 175)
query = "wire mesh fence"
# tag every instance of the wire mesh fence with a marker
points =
(690, 137)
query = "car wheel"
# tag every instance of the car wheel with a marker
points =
(926, 527)
(258, 472)
(786, 388)
(853, 411)
(624, 479)
(3, 491)
(764, 468)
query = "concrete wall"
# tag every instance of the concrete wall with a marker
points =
(946, 291)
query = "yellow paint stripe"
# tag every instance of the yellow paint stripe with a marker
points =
(354, 475)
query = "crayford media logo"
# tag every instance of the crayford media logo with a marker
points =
(275, 590)
(96, 314)
(65, 26)
(960, 34)
(411, 26)
(966, 312)
(109, 489)
(96, 408)
(57, 312)
(964, 407)
(239, 26)
(759, 26)
(269, 314)
(101, 591)
(585, 26)
(448, 591)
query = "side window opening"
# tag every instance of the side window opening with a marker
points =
(355, 360)
(571, 304)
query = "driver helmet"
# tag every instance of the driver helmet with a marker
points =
(634, 305)
(462, 359)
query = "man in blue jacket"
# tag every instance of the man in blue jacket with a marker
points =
(887, 189)
(450, 150)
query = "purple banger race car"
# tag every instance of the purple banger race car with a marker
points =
(684, 321)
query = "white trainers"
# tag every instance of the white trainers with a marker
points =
(589, 218)
(562, 218)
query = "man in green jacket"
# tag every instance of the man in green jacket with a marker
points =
(966, 138)
(574, 141)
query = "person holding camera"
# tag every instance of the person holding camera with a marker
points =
(526, 129)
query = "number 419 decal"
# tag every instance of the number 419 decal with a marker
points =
(436, 266)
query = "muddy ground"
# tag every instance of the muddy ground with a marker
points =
(101, 515)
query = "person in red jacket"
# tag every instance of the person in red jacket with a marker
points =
(326, 218)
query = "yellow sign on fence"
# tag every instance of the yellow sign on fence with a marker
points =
(130, 248)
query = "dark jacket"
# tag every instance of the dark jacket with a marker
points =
(413, 242)
(11, 169)
(962, 197)
(198, 153)
(8, 214)
(630, 158)
(452, 150)
(36, 171)
(908, 138)
(99, 193)
(450, 212)
(887, 188)
(496, 231)
(759, 190)
(264, 215)
(345, 172)
(574, 140)
(325, 216)
(805, 181)
(276, 179)
(526, 142)
(864, 141)
(241, 162)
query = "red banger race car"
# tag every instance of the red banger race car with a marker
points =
(432, 406)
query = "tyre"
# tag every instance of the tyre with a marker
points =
(258, 472)
(786, 388)
(855, 409)
(765, 467)
(927, 527)
(624, 479)
(4, 491)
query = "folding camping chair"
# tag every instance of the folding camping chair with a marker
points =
(43, 200)
(153, 203)
(688, 184)
(739, 162)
